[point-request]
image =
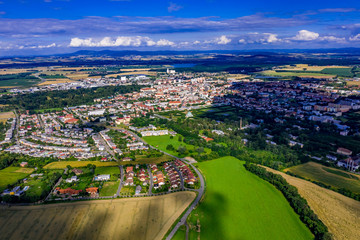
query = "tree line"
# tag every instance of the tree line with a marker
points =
(298, 203)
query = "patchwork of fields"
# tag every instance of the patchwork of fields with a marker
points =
(240, 205)
(339, 213)
(135, 218)
(329, 176)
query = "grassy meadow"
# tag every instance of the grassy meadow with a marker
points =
(161, 143)
(329, 176)
(240, 205)
(11, 175)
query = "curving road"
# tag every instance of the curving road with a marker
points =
(200, 191)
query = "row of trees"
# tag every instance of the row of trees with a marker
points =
(299, 204)
(60, 99)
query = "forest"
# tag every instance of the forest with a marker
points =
(65, 98)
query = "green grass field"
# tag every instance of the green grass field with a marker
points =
(341, 72)
(296, 74)
(11, 175)
(240, 205)
(161, 143)
(109, 188)
(63, 164)
(329, 176)
(113, 171)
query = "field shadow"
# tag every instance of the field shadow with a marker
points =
(211, 211)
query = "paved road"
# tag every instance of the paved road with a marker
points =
(192, 206)
(151, 185)
(121, 180)
(200, 191)
(40, 121)
(103, 142)
(181, 176)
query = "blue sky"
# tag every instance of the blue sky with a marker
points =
(57, 26)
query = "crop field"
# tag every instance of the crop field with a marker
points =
(13, 71)
(300, 67)
(18, 82)
(63, 164)
(339, 213)
(240, 205)
(329, 176)
(135, 218)
(55, 81)
(4, 116)
(353, 83)
(341, 72)
(297, 74)
(161, 143)
(11, 175)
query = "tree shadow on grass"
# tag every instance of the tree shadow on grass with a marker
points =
(210, 213)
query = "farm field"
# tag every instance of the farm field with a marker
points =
(297, 74)
(55, 81)
(63, 164)
(240, 205)
(133, 218)
(329, 176)
(338, 212)
(4, 116)
(300, 67)
(353, 83)
(161, 143)
(11, 175)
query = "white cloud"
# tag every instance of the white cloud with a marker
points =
(122, 41)
(223, 40)
(271, 38)
(164, 42)
(242, 41)
(332, 39)
(48, 46)
(173, 7)
(355, 38)
(196, 42)
(305, 35)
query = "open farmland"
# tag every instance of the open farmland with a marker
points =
(329, 176)
(135, 218)
(289, 73)
(240, 205)
(300, 67)
(4, 116)
(55, 81)
(11, 175)
(63, 164)
(339, 213)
